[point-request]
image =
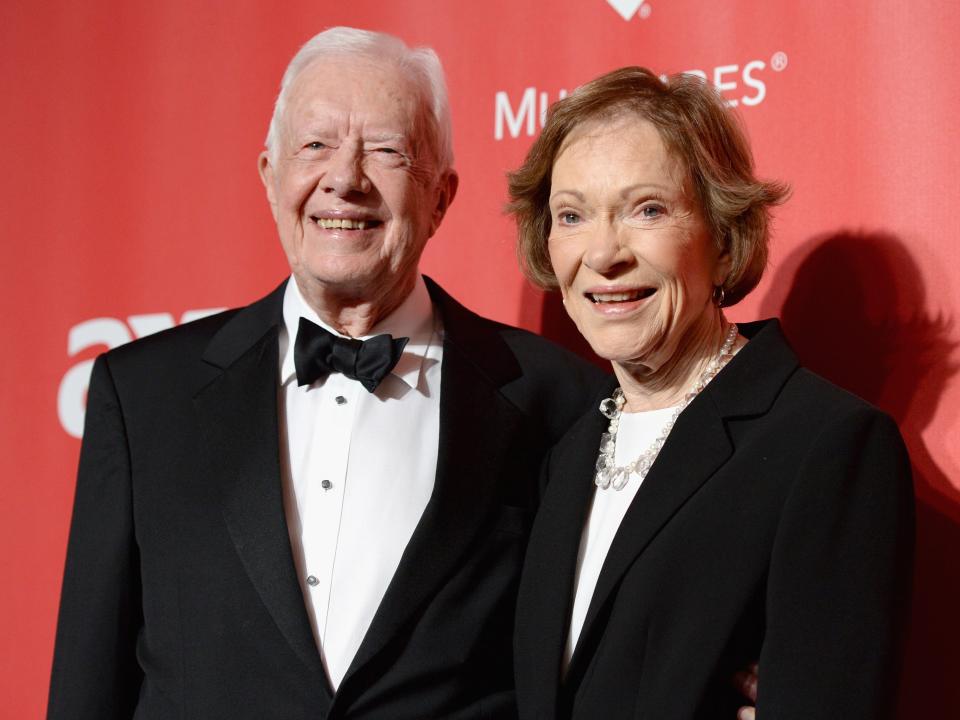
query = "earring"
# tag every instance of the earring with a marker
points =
(719, 296)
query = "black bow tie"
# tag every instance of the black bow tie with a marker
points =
(318, 352)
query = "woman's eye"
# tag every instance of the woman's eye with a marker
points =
(387, 150)
(651, 211)
(315, 145)
(569, 218)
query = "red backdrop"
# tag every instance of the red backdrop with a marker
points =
(130, 200)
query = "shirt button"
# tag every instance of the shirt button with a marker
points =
(312, 581)
(326, 484)
(340, 400)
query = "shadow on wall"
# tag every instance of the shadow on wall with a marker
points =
(854, 308)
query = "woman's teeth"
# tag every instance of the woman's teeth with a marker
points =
(614, 297)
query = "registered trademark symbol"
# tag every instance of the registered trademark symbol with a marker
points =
(779, 61)
(645, 11)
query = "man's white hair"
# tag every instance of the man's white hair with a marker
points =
(422, 65)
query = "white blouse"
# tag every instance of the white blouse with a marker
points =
(636, 433)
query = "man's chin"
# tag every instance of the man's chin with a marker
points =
(348, 284)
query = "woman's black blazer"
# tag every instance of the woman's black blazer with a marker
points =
(776, 525)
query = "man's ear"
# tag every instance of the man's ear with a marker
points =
(446, 192)
(266, 177)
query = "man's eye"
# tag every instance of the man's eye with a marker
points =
(316, 145)
(387, 150)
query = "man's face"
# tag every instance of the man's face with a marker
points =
(353, 184)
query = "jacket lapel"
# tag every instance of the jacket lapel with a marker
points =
(547, 587)
(677, 473)
(697, 447)
(476, 425)
(238, 415)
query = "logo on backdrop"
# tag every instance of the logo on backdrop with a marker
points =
(743, 85)
(628, 9)
(109, 333)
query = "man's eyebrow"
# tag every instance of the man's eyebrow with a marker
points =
(316, 131)
(385, 137)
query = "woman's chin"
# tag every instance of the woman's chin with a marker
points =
(623, 343)
(626, 357)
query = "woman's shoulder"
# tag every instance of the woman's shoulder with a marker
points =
(773, 403)
(811, 390)
(772, 366)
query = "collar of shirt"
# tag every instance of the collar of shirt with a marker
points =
(414, 318)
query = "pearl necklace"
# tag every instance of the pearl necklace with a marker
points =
(608, 472)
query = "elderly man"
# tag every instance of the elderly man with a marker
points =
(316, 506)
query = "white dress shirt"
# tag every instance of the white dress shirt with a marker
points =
(636, 433)
(358, 470)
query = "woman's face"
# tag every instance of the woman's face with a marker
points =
(631, 251)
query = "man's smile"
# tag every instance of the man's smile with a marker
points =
(338, 222)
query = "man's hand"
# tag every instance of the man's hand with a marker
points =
(746, 682)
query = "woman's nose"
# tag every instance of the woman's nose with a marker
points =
(606, 251)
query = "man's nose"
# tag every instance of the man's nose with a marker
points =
(345, 173)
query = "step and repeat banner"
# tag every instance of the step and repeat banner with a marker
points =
(130, 203)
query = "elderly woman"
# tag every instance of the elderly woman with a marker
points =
(723, 504)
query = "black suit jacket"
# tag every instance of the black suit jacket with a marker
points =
(180, 598)
(777, 523)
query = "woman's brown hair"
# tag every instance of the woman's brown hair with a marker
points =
(697, 128)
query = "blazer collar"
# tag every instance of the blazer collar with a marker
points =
(751, 381)
(476, 425)
(238, 416)
(481, 347)
(697, 447)
(245, 328)
(413, 319)
(476, 339)
(238, 413)
(549, 570)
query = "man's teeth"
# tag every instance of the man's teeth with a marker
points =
(619, 296)
(342, 224)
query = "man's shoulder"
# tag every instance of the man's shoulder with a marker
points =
(536, 351)
(185, 344)
(186, 339)
(540, 377)
(530, 349)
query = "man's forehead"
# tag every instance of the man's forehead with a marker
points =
(374, 91)
(337, 77)
(331, 113)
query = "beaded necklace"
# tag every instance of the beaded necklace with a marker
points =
(609, 474)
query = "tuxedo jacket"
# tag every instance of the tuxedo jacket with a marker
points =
(776, 524)
(180, 598)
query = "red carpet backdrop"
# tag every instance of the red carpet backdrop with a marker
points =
(130, 202)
